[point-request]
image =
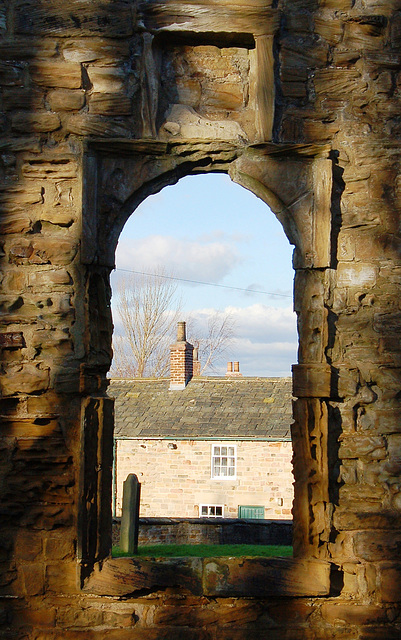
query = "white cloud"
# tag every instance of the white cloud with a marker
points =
(265, 340)
(260, 322)
(192, 259)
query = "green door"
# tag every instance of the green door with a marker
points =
(246, 511)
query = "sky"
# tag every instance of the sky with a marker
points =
(208, 229)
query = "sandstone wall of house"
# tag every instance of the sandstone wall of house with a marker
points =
(103, 103)
(176, 481)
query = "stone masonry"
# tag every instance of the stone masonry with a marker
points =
(102, 104)
(183, 482)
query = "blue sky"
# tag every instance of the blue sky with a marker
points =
(207, 228)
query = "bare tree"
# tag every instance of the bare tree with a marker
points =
(214, 340)
(148, 308)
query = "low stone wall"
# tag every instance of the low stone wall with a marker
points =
(210, 531)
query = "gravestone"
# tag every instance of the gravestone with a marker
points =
(130, 516)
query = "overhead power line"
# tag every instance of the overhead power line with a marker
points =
(208, 284)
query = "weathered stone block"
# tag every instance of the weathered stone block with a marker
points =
(110, 104)
(67, 75)
(382, 632)
(371, 496)
(329, 28)
(366, 518)
(44, 121)
(66, 100)
(346, 383)
(58, 547)
(188, 91)
(79, 618)
(95, 125)
(107, 79)
(356, 275)
(58, 167)
(24, 378)
(224, 95)
(45, 250)
(294, 89)
(257, 577)
(226, 614)
(12, 74)
(62, 577)
(311, 380)
(359, 446)
(49, 279)
(298, 612)
(353, 614)
(365, 36)
(12, 340)
(15, 223)
(99, 49)
(380, 420)
(19, 197)
(32, 578)
(389, 575)
(30, 428)
(377, 545)
(35, 618)
(27, 48)
(77, 19)
(28, 545)
(123, 615)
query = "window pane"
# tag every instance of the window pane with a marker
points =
(223, 451)
(219, 511)
(216, 451)
(231, 451)
(224, 462)
(204, 510)
(231, 471)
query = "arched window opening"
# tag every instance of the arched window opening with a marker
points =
(221, 449)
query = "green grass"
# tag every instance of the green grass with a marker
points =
(207, 550)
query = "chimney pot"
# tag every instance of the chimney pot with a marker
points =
(181, 332)
(233, 370)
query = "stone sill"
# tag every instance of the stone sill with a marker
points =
(214, 577)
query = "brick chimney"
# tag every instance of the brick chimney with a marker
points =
(181, 360)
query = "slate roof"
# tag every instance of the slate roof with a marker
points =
(209, 407)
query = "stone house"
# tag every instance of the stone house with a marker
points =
(218, 447)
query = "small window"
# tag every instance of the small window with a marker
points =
(211, 511)
(224, 459)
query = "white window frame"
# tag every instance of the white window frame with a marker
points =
(209, 508)
(221, 451)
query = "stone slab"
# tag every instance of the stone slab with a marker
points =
(220, 577)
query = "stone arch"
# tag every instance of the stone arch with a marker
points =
(296, 183)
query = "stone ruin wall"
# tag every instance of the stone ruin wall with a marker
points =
(104, 102)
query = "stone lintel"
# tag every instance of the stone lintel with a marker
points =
(222, 577)
(149, 146)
